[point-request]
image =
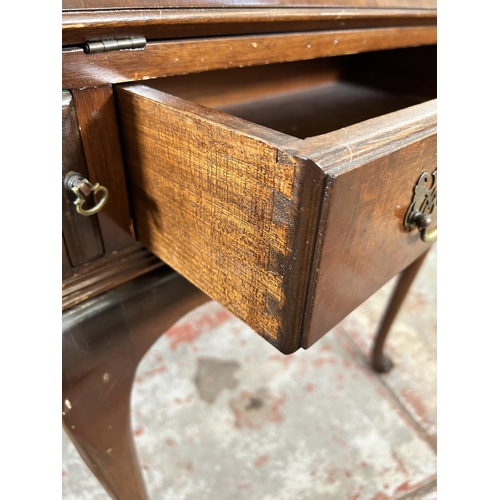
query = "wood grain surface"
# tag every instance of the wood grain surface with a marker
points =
(106, 273)
(94, 262)
(260, 204)
(82, 235)
(216, 199)
(320, 109)
(101, 142)
(290, 235)
(129, 4)
(159, 59)
(67, 272)
(156, 24)
(372, 169)
(309, 98)
(225, 87)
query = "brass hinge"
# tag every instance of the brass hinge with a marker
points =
(133, 42)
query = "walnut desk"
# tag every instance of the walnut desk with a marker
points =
(276, 156)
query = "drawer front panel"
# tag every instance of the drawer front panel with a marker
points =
(81, 234)
(98, 251)
(372, 169)
(364, 241)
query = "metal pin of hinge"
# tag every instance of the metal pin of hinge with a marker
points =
(133, 42)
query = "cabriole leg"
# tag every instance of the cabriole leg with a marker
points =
(380, 362)
(104, 340)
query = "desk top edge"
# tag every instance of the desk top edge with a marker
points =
(72, 5)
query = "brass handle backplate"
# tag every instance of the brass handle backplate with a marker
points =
(423, 206)
(82, 188)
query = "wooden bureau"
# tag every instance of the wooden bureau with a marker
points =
(279, 156)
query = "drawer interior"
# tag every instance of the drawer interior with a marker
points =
(309, 98)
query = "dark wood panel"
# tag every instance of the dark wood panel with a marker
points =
(416, 70)
(372, 169)
(99, 130)
(81, 26)
(338, 151)
(104, 341)
(160, 59)
(82, 234)
(67, 272)
(305, 98)
(221, 88)
(129, 4)
(106, 273)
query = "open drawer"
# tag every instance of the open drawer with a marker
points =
(281, 191)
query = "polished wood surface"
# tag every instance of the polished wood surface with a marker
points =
(112, 270)
(159, 59)
(157, 24)
(243, 210)
(66, 264)
(321, 108)
(101, 142)
(82, 235)
(99, 252)
(371, 170)
(127, 4)
(301, 99)
(104, 339)
(237, 86)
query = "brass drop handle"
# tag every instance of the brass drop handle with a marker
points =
(423, 207)
(82, 188)
(423, 221)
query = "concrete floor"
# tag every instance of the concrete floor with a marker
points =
(219, 414)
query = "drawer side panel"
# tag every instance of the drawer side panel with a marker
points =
(221, 207)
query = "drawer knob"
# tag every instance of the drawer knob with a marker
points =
(423, 206)
(82, 188)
